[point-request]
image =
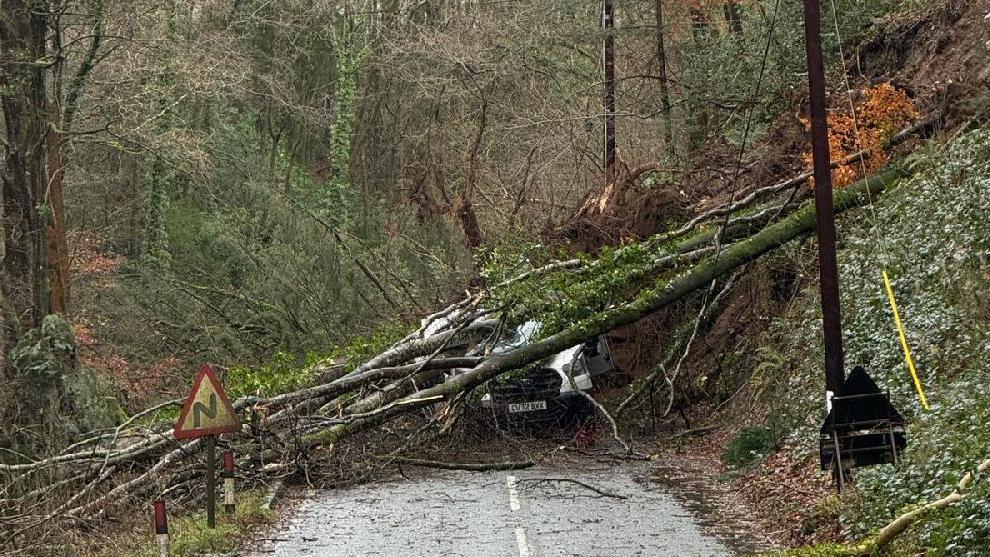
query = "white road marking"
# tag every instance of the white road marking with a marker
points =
(524, 549)
(511, 483)
(523, 543)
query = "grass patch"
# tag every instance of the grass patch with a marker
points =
(190, 536)
(749, 446)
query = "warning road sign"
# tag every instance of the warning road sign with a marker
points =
(207, 410)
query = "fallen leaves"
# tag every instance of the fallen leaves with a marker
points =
(880, 112)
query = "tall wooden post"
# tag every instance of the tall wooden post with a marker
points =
(608, 94)
(211, 481)
(829, 271)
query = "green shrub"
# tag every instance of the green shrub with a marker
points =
(749, 446)
(55, 398)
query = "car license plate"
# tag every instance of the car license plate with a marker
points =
(527, 406)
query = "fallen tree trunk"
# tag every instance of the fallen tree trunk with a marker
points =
(797, 224)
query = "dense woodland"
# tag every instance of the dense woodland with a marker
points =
(293, 190)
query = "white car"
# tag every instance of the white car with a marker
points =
(553, 390)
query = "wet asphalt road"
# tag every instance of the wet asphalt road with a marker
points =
(526, 513)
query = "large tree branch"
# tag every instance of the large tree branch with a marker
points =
(899, 525)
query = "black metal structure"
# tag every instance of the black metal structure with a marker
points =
(862, 429)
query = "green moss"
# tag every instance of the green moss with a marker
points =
(568, 296)
(818, 550)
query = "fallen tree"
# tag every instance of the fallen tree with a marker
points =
(287, 433)
(652, 299)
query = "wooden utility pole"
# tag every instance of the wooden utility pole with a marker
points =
(824, 210)
(608, 94)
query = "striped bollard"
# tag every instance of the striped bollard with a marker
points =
(228, 482)
(161, 528)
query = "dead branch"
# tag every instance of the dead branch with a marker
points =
(671, 378)
(587, 486)
(470, 466)
(680, 343)
(899, 525)
(608, 417)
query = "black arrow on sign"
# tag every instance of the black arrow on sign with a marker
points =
(200, 408)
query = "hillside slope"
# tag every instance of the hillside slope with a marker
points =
(930, 234)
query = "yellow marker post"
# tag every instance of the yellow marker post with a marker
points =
(904, 344)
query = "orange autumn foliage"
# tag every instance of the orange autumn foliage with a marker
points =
(881, 112)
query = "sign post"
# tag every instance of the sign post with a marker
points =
(211, 481)
(207, 412)
(161, 528)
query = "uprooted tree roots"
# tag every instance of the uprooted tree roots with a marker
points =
(312, 429)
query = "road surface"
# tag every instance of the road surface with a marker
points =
(527, 513)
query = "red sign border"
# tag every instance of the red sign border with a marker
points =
(205, 372)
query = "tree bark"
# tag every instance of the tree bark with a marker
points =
(608, 92)
(464, 208)
(56, 247)
(665, 105)
(26, 117)
(57, 156)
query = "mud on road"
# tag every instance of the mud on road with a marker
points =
(597, 510)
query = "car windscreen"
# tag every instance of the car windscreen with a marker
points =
(519, 336)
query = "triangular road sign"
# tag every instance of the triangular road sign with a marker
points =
(207, 410)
